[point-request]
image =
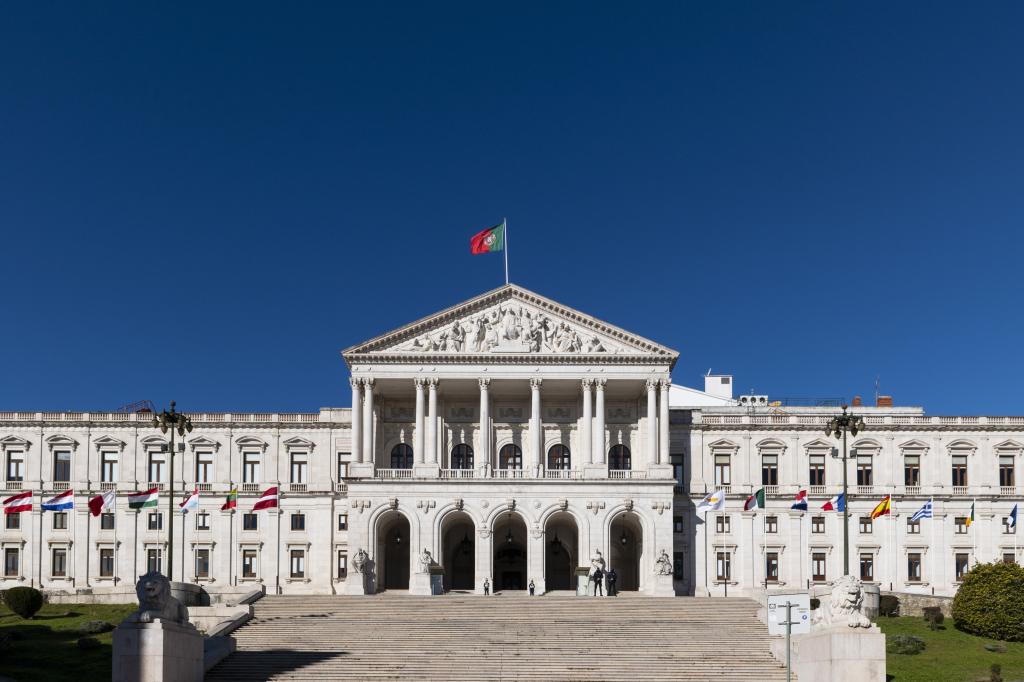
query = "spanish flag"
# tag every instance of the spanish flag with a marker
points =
(884, 507)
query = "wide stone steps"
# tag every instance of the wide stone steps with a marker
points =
(464, 637)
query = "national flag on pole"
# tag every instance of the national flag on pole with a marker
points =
(102, 501)
(800, 501)
(924, 512)
(66, 500)
(144, 499)
(970, 519)
(232, 500)
(837, 503)
(15, 504)
(190, 502)
(1013, 519)
(712, 502)
(755, 501)
(489, 240)
(267, 500)
(883, 508)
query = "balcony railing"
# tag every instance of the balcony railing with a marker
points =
(340, 487)
(771, 490)
(204, 487)
(297, 487)
(250, 487)
(60, 486)
(391, 474)
(1007, 490)
(865, 490)
(458, 473)
(108, 485)
(961, 490)
(619, 474)
(508, 473)
(14, 485)
(563, 474)
(912, 490)
(158, 486)
(817, 491)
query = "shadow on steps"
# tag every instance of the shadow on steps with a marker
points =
(262, 665)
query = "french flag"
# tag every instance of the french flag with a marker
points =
(15, 504)
(837, 503)
(267, 500)
(800, 501)
(66, 500)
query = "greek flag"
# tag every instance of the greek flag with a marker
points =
(924, 512)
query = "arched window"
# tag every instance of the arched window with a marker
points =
(462, 457)
(619, 458)
(558, 457)
(510, 457)
(401, 457)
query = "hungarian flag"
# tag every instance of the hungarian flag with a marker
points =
(232, 500)
(755, 501)
(190, 502)
(15, 504)
(800, 501)
(102, 501)
(884, 507)
(144, 499)
(486, 241)
(970, 519)
(837, 503)
(267, 500)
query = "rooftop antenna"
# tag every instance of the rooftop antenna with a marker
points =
(877, 382)
(709, 372)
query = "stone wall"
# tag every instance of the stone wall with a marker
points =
(913, 604)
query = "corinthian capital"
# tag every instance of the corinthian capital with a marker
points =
(484, 383)
(535, 382)
(599, 384)
(665, 384)
(587, 383)
(354, 382)
(652, 385)
(419, 382)
(368, 382)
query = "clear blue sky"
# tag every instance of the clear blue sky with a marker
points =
(208, 201)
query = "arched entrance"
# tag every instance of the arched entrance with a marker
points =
(626, 543)
(509, 541)
(561, 552)
(458, 551)
(393, 538)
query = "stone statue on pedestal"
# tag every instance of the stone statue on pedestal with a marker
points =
(156, 602)
(844, 605)
(663, 564)
(359, 560)
(425, 561)
(596, 562)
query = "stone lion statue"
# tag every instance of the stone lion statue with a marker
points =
(844, 605)
(156, 602)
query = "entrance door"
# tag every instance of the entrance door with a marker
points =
(394, 574)
(510, 553)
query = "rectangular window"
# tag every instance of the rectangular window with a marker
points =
(1008, 558)
(156, 467)
(722, 524)
(960, 470)
(250, 467)
(204, 467)
(12, 521)
(60, 520)
(298, 563)
(913, 527)
(59, 562)
(108, 467)
(962, 562)
(250, 521)
(1006, 477)
(298, 521)
(817, 524)
(203, 521)
(961, 525)
(724, 566)
(343, 465)
(107, 521)
(723, 472)
(155, 521)
(914, 567)
(342, 521)
(342, 564)
(771, 524)
(11, 557)
(817, 469)
(249, 560)
(154, 560)
(771, 567)
(62, 466)
(818, 562)
(864, 476)
(677, 524)
(299, 461)
(769, 469)
(912, 470)
(867, 567)
(1008, 527)
(865, 525)
(15, 466)
(107, 563)
(202, 563)
(677, 470)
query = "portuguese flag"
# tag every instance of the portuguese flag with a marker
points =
(489, 240)
(232, 500)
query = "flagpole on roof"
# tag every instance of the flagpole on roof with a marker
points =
(504, 238)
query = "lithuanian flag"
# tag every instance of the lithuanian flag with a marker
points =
(970, 519)
(489, 240)
(884, 507)
(232, 500)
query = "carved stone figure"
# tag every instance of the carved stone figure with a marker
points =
(844, 605)
(596, 563)
(594, 345)
(663, 565)
(425, 561)
(156, 602)
(359, 560)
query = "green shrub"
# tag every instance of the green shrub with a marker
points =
(24, 601)
(995, 673)
(990, 602)
(95, 627)
(907, 645)
(86, 643)
(933, 616)
(889, 605)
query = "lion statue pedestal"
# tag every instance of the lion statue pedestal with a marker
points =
(157, 643)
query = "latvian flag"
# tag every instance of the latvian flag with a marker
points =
(755, 501)
(232, 500)
(144, 499)
(101, 502)
(15, 504)
(837, 503)
(267, 500)
(66, 500)
(190, 502)
(800, 501)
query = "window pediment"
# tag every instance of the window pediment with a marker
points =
(60, 441)
(818, 446)
(724, 445)
(962, 447)
(1009, 447)
(153, 443)
(771, 446)
(252, 443)
(299, 443)
(866, 447)
(108, 443)
(914, 447)
(202, 442)
(14, 443)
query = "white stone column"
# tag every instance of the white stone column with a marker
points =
(536, 428)
(432, 423)
(652, 422)
(368, 453)
(600, 439)
(587, 427)
(419, 438)
(663, 446)
(485, 421)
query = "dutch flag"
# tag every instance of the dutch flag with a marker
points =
(66, 500)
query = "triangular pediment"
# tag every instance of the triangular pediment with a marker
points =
(510, 321)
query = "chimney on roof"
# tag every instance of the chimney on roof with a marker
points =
(883, 401)
(857, 402)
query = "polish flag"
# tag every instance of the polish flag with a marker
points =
(837, 503)
(15, 504)
(267, 500)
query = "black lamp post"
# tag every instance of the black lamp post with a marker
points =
(174, 422)
(838, 426)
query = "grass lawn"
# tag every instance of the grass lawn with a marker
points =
(951, 655)
(45, 648)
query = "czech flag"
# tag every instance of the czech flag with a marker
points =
(800, 501)
(15, 504)
(190, 502)
(837, 503)
(267, 500)
(884, 507)
(66, 500)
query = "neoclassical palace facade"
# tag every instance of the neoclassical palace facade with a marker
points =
(513, 438)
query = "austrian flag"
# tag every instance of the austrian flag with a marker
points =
(267, 500)
(15, 504)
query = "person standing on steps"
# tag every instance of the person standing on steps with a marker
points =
(612, 577)
(487, 587)
(598, 579)
(532, 587)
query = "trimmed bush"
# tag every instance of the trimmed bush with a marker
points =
(990, 602)
(906, 645)
(24, 601)
(95, 627)
(889, 605)
(933, 616)
(86, 643)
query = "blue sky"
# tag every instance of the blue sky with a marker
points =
(207, 201)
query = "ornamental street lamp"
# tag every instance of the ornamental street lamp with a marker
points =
(838, 426)
(175, 422)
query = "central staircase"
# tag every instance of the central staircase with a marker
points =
(466, 637)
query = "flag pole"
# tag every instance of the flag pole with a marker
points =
(504, 238)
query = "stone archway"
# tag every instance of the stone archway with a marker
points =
(626, 548)
(458, 551)
(393, 540)
(509, 542)
(561, 552)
